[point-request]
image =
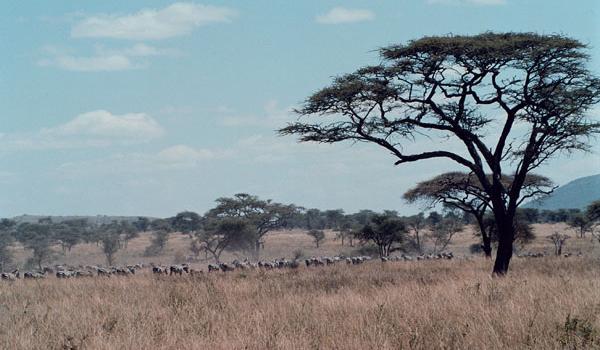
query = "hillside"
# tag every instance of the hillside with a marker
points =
(576, 194)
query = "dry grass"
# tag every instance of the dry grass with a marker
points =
(548, 303)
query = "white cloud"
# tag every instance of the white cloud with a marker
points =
(273, 116)
(339, 15)
(102, 60)
(184, 154)
(104, 124)
(98, 128)
(468, 2)
(175, 20)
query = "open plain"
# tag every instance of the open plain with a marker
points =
(544, 303)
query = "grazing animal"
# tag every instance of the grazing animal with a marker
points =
(213, 267)
(226, 267)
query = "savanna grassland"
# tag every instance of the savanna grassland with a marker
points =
(544, 303)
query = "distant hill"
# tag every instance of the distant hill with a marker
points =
(97, 219)
(576, 194)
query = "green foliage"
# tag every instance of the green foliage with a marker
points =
(385, 231)
(317, 235)
(259, 216)
(593, 211)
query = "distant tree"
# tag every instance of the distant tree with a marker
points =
(38, 237)
(345, 231)
(187, 222)
(473, 90)
(317, 235)
(314, 219)
(69, 233)
(442, 233)
(463, 191)
(386, 232)
(229, 233)
(142, 224)
(334, 218)
(7, 228)
(416, 225)
(363, 217)
(531, 215)
(112, 237)
(593, 211)
(592, 214)
(262, 216)
(160, 236)
(559, 241)
(581, 224)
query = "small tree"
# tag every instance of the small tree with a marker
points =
(225, 234)
(442, 233)
(160, 236)
(39, 238)
(581, 224)
(592, 214)
(261, 216)
(416, 225)
(317, 235)
(387, 232)
(111, 237)
(558, 240)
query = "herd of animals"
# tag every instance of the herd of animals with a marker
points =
(65, 272)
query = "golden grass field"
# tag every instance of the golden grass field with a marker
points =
(544, 303)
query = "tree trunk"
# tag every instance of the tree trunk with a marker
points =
(485, 239)
(256, 252)
(506, 233)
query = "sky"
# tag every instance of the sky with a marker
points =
(155, 107)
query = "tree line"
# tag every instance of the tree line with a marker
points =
(240, 223)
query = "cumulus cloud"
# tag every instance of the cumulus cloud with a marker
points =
(152, 24)
(339, 15)
(98, 128)
(102, 60)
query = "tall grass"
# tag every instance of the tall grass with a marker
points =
(549, 303)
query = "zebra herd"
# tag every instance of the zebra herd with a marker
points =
(64, 272)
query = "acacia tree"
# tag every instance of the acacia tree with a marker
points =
(228, 233)
(386, 231)
(417, 225)
(472, 90)
(462, 191)
(580, 224)
(262, 216)
(592, 214)
(39, 238)
(317, 235)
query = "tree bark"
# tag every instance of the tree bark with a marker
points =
(485, 239)
(506, 234)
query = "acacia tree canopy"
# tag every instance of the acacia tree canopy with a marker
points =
(261, 215)
(472, 90)
(463, 191)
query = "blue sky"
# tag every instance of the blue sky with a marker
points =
(154, 107)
